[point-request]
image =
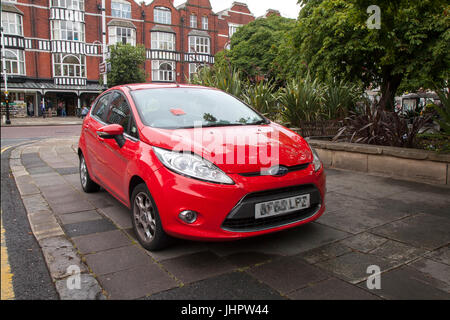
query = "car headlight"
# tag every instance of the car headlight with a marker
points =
(316, 160)
(192, 165)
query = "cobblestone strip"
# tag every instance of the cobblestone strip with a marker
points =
(70, 275)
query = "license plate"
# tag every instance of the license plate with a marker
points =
(281, 206)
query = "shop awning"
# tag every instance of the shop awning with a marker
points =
(44, 87)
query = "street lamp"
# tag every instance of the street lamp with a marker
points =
(5, 77)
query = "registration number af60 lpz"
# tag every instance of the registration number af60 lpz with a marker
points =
(281, 206)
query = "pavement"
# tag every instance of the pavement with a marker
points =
(40, 121)
(401, 229)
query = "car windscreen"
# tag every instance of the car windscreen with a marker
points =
(176, 108)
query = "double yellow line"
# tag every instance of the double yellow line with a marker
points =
(7, 291)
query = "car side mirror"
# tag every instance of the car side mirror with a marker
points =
(112, 131)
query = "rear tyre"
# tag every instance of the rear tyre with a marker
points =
(87, 184)
(146, 221)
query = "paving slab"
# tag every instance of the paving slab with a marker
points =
(400, 252)
(117, 259)
(229, 286)
(76, 217)
(101, 241)
(118, 213)
(332, 289)
(407, 283)
(325, 252)
(440, 255)
(364, 242)
(136, 282)
(177, 248)
(435, 270)
(421, 231)
(197, 266)
(288, 274)
(88, 227)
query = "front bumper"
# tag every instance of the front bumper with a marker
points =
(226, 212)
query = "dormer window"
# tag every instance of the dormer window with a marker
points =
(121, 9)
(162, 15)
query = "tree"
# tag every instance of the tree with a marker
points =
(253, 46)
(409, 51)
(126, 65)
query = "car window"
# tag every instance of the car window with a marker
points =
(101, 108)
(119, 111)
(172, 108)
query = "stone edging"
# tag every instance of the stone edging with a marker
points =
(398, 163)
(60, 255)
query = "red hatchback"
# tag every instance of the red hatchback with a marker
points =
(196, 163)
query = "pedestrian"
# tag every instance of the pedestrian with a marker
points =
(84, 111)
(63, 110)
(49, 107)
(30, 109)
(43, 109)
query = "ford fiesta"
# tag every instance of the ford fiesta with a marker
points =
(196, 163)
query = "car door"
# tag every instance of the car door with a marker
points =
(116, 159)
(94, 156)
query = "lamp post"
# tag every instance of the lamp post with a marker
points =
(105, 76)
(5, 77)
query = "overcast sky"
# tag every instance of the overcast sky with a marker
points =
(287, 8)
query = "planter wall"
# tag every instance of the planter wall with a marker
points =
(398, 163)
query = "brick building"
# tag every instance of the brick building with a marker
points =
(53, 48)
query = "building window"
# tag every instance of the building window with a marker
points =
(162, 15)
(233, 28)
(163, 41)
(69, 65)
(163, 71)
(67, 30)
(193, 21)
(69, 4)
(121, 10)
(122, 35)
(199, 45)
(205, 24)
(15, 62)
(12, 23)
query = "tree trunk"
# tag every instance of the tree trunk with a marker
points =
(389, 90)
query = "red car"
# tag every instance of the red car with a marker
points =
(196, 163)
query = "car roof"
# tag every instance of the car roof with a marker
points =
(143, 86)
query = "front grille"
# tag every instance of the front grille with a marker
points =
(242, 217)
(252, 224)
(290, 169)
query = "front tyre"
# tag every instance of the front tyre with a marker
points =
(87, 184)
(146, 221)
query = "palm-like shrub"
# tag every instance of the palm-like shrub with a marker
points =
(301, 101)
(220, 77)
(263, 96)
(339, 98)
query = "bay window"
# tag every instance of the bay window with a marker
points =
(67, 30)
(163, 41)
(69, 4)
(122, 35)
(12, 23)
(199, 44)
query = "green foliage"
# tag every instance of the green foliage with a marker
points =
(340, 98)
(254, 47)
(301, 101)
(127, 63)
(444, 110)
(264, 97)
(331, 39)
(221, 77)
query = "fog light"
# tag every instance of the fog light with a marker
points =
(188, 216)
